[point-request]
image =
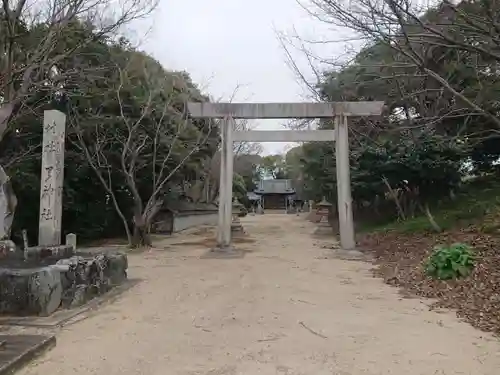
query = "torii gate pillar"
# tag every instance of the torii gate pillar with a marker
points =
(226, 184)
(344, 199)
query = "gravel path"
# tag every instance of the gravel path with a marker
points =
(279, 310)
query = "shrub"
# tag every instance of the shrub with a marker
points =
(450, 262)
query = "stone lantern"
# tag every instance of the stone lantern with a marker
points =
(260, 210)
(236, 226)
(323, 210)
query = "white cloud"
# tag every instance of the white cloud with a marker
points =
(226, 43)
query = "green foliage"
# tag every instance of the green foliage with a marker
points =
(274, 166)
(476, 203)
(239, 187)
(450, 262)
(246, 165)
(419, 146)
(426, 163)
(148, 95)
(397, 70)
(87, 209)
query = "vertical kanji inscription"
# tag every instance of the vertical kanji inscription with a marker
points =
(54, 131)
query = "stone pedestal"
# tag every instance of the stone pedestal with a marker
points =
(323, 229)
(305, 206)
(236, 227)
(228, 252)
(45, 281)
(351, 255)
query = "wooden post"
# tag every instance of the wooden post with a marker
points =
(347, 240)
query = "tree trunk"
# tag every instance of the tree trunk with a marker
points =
(141, 234)
(431, 219)
(213, 192)
(123, 218)
(141, 237)
(395, 198)
(143, 222)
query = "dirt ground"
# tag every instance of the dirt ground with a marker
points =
(282, 309)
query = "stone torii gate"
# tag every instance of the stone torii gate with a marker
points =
(340, 111)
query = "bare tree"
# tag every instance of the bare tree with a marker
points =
(155, 144)
(31, 37)
(207, 185)
(417, 33)
(34, 47)
(246, 148)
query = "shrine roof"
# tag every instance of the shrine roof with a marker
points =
(281, 186)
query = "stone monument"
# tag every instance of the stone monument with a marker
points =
(43, 278)
(291, 207)
(260, 210)
(52, 178)
(8, 203)
(305, 206)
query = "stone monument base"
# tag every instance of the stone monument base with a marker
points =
(323, 229)
(228, 252)
(349, 255)
(43, 279)
(44, 254)
(313, 217)
(237, 229)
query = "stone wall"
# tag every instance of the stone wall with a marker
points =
(190, 220)
(48, 279)
(168, 223)
(163, 223)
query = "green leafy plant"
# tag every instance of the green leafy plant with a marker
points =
(450, 262)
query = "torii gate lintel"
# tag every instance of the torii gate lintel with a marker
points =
(340, 111)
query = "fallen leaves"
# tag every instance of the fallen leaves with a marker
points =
(399, 261)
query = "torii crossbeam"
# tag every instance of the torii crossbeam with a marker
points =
(340, 111)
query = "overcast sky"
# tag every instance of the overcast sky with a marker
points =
(228, 43)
